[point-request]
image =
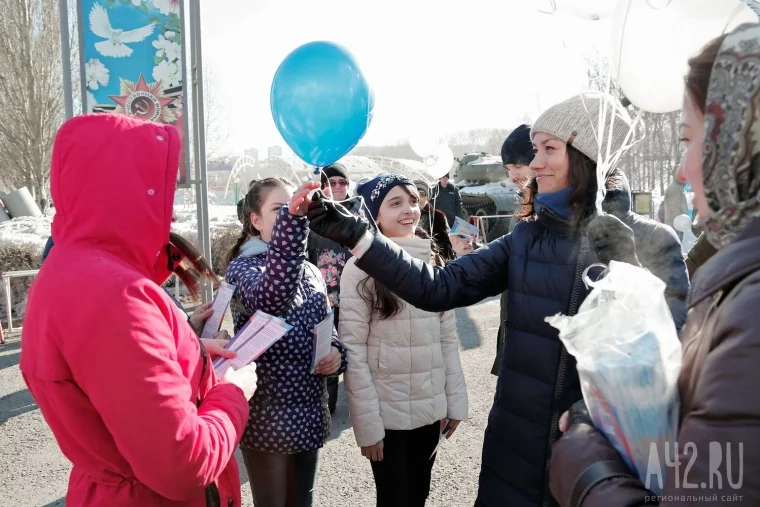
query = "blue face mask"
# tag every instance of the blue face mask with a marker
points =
(687, 187)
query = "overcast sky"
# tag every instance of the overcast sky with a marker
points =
(436, 67)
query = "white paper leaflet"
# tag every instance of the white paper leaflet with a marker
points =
(441, 437)
(464, 229)
(322, 340)
(221, 303)
(260, 333)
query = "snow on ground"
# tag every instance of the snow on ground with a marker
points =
(36, 230)
(25, 231)
(218, 216)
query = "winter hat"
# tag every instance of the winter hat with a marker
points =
(333, 170)
(422, 185)
(576, 121)
(375, 190)
(518, 147)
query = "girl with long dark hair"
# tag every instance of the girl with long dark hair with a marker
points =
(404, 376)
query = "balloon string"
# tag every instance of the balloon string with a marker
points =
(608, 160)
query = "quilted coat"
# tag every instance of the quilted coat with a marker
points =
(403, 371)
(288, 412)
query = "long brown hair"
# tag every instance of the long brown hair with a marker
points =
(193, 267)
(581, 176)
(252, 202)
(700, 68)
(380, 300)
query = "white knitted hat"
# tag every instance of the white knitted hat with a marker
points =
(576, 121)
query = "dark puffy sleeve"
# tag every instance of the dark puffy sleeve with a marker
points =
(464, 282)
(659, 251)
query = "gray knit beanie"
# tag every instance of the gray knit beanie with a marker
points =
(576, 121)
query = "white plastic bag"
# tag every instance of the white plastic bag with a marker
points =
(629, 358)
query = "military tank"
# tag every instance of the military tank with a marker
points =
(486, 190)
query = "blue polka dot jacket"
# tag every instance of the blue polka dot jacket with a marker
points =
(288, 412)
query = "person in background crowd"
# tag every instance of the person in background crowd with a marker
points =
(675, 202)
(433, 222)
(516, 156)
(119, 357)
(289, 419)
(447, 199)
(541, 263)
(330, 257)
(404, 376)
(719, 409)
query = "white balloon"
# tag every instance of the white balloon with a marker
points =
(591, 9)
(440, 161)
(423, 145)
(647, 69)
(682, 223)
(652, 42)
(707, 20)
(717, 11)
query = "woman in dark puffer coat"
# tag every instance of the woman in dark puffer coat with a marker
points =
(540, 263)
(720, 409)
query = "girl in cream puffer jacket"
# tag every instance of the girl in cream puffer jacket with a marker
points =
(404, 378)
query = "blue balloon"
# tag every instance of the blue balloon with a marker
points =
(321, 102)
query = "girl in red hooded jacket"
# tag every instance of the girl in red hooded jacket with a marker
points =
(116, 369)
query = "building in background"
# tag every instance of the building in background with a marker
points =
(252, 152)
(274, 151)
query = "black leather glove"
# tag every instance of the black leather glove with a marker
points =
(333, 221)
(578, 414)
(612, 240)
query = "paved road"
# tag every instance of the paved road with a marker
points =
(33, 472)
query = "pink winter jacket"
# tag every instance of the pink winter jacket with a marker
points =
(112, 363)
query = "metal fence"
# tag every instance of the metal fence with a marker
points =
(7, 276)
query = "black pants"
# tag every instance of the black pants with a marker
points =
(281, 480)
(402, 479)
(332, 381)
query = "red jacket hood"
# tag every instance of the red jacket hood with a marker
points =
(113, 179)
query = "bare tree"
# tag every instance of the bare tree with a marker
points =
(650, 164)
(487, 140)
(215, 115)
(31, 92)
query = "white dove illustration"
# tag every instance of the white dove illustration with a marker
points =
(116, 44)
